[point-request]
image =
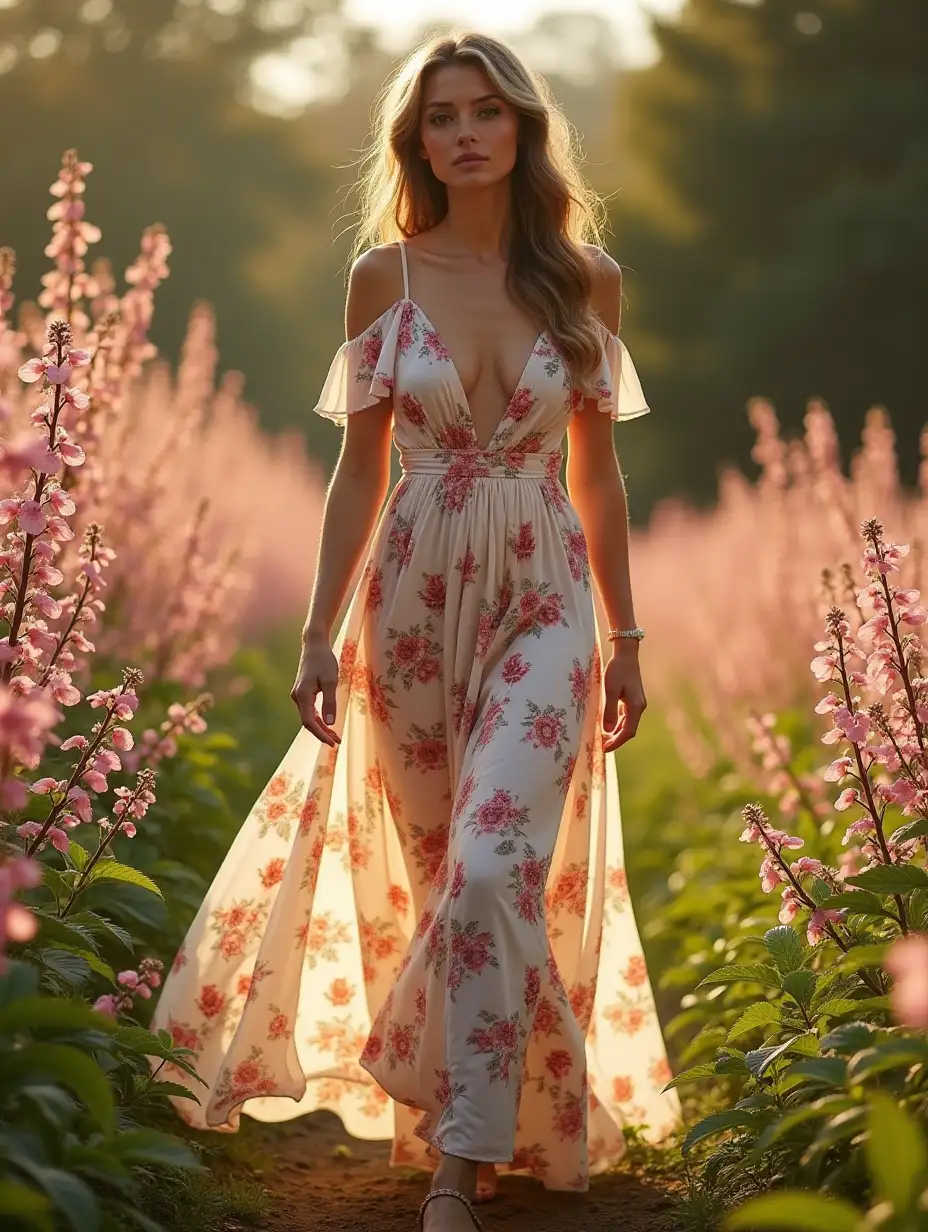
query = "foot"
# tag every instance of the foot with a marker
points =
(450, 1214)
(487, 1181)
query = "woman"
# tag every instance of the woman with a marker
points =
(424, 923)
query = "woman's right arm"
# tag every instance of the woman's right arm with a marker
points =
(353, 502)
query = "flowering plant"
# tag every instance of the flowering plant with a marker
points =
(818, 1003)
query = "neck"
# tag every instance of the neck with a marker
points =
(478, 221)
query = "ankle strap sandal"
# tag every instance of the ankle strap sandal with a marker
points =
(448, 1193)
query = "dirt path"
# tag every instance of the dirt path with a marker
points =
(325, 1181)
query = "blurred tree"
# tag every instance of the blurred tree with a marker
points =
(155, 96)
(775, 169)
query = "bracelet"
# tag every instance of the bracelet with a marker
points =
(637, 633)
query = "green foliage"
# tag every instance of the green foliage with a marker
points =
(73, 1086)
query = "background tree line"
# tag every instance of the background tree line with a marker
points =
(766, 177)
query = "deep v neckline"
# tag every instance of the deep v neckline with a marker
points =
(460, 384)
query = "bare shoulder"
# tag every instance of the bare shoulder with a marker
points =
(374, 285)
(606, 296)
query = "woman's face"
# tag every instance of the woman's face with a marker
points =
(463, 115)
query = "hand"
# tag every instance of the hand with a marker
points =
(317, 672)
(625, 700)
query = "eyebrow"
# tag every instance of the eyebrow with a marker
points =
(482, 99)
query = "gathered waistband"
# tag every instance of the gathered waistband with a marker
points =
(481, 463)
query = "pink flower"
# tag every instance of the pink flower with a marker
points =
(129, 979)
(816, 927)
(848, 797)
(907, 963)
(106, 1004)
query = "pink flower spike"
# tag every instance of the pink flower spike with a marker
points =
(143, 991)
(106, 1004)
(129, 979)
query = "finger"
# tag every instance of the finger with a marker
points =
(626, 730)
(312, 721)
(611, 711)
(328, 701)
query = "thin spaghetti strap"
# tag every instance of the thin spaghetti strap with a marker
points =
(405, 269)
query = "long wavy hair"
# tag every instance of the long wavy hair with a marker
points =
(554, 210)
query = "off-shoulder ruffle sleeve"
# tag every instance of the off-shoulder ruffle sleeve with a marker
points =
(616, 386)
(361, 373)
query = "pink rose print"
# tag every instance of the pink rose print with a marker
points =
(515, 668)
(532, 988)
(432, 593)
(501, 1038)
(427, 750)
(493, 720)
(413, 409)
(499, 815)
(470, 953)
(528, 881)
(546, 729)
(467, 566)
(522, 544)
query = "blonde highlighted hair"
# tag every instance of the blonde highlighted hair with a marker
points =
(554, 210)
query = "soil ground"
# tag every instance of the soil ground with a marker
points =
(325, 1181)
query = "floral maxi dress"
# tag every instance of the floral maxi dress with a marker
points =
(427, 929)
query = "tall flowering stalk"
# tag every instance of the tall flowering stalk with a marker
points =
(759, 574)
(187, 541)
(884, 762)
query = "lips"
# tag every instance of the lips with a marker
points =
(470, 158)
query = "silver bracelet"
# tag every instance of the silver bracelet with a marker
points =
(637, 633)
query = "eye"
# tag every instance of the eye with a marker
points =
(491, 108)
(438, 115)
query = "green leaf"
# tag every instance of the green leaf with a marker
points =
(762, 1058)
(73, 1198)
(912, 829)
(64, 933)
(755, 973)
(890, 878)
(51, 1014)
(706, 1070)
(165, 1089)
(794, 1211)
(838, 1006)
(862, 956)
(785, 948)
(21, 980)
(826, 1106)
(77, 855)
(762, 1013)
(888, 1055)
(848, 1037)
(18, 1200)
(100, 926)
(67, 966)
(828, 1070)
(112, 870)
(151, 1146)
(860, 902)
(74, 1069)
(847, 1124)
(732, 1118)
(896, 1154)
(800, 985)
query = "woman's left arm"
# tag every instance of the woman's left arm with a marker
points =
(597, 492)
